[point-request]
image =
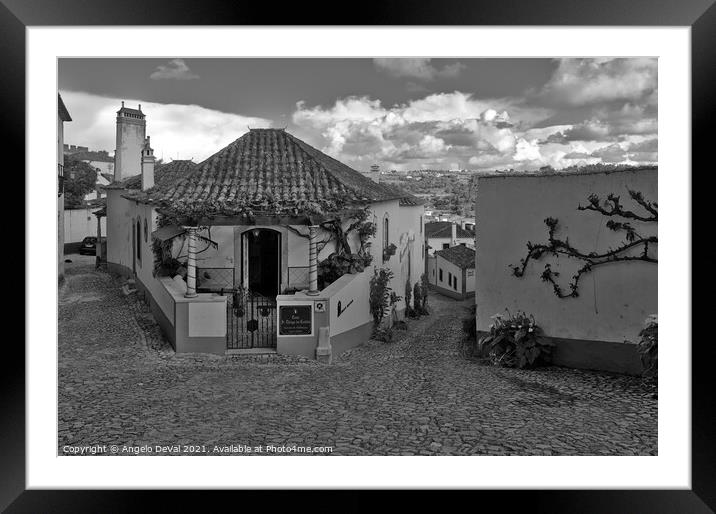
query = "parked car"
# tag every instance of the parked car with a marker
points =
(88, 246)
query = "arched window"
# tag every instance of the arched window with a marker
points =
(386, 227)
(146, 230)
(139, 240)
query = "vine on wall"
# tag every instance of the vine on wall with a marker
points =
(635, 246)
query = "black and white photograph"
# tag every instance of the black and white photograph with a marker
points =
(398, 256)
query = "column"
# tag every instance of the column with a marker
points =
(312, 261)
(191, 264)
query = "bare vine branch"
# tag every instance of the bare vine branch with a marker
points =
(557, 247)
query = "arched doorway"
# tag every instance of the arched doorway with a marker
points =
(262, 261)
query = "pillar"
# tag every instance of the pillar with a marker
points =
(312, 260)
(191, 263)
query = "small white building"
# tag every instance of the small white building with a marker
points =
(233, 253)
(452, 272)
(440, 235)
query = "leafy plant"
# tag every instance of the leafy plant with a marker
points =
(389, 252)
(469, 324)
(417, 299)
(380, 294)
(80, 179)
(515, 341)
(648, 346)
(424, 289)
(409, 312)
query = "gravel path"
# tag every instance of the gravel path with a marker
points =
(120, 384)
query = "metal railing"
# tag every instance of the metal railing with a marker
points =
(298, 277)
(250, 320)
(214, 279)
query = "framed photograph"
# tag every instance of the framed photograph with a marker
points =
(428, 238)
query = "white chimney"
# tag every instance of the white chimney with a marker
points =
(147, 165)
(454, 234)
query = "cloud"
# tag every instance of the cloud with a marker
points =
(590, 81)
(443, 128)
(176, 69)
(417, 68)
(177, 131)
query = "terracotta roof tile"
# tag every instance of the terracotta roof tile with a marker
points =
(444, 229)
(460, 255)
(273, 170)
(165, 175)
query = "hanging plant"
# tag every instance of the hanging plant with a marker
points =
(389, 251)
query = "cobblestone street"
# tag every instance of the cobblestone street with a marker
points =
(120, 383)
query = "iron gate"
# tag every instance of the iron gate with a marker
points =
(250, 320)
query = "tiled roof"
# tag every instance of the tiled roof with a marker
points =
(165, 175)
(460, 255)
(62, 109)
(444, 229)
(272, 170)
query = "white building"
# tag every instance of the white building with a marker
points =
(242, 236)
(440, 235)
(62, 116)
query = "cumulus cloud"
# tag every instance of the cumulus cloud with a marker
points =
(418, 68)
(485, 133)
(177, 131)
(590, 81)
(440, 125)
(176, 69)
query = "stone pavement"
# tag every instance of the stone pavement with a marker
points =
(120, 383)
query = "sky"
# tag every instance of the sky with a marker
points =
(402, 114)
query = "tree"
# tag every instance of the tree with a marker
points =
(80, 179)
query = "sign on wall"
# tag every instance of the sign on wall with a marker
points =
(295, 320)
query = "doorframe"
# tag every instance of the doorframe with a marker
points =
(243, 253)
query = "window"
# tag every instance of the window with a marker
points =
(449, 278)
(421, 224)
(463, 244)
(146, 230)
(446, 246)
(454, 282)
(386, 241)
(139, 240)
(440, 274)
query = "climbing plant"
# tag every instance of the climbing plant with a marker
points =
(635, 246)
(380, 294)
(343, 260)
(165, 262)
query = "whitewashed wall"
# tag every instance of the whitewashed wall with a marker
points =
(614, 299)
(80, 223)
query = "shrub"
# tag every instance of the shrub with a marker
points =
(515, 341)
(380, 294)
(408, 296)
(469, 324)
(648, 346)
(424, 289)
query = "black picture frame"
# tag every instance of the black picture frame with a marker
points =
(700, 15)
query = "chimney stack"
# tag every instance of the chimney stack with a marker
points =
(147, 165)
(454, 234)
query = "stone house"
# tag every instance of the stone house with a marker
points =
(264, 246)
